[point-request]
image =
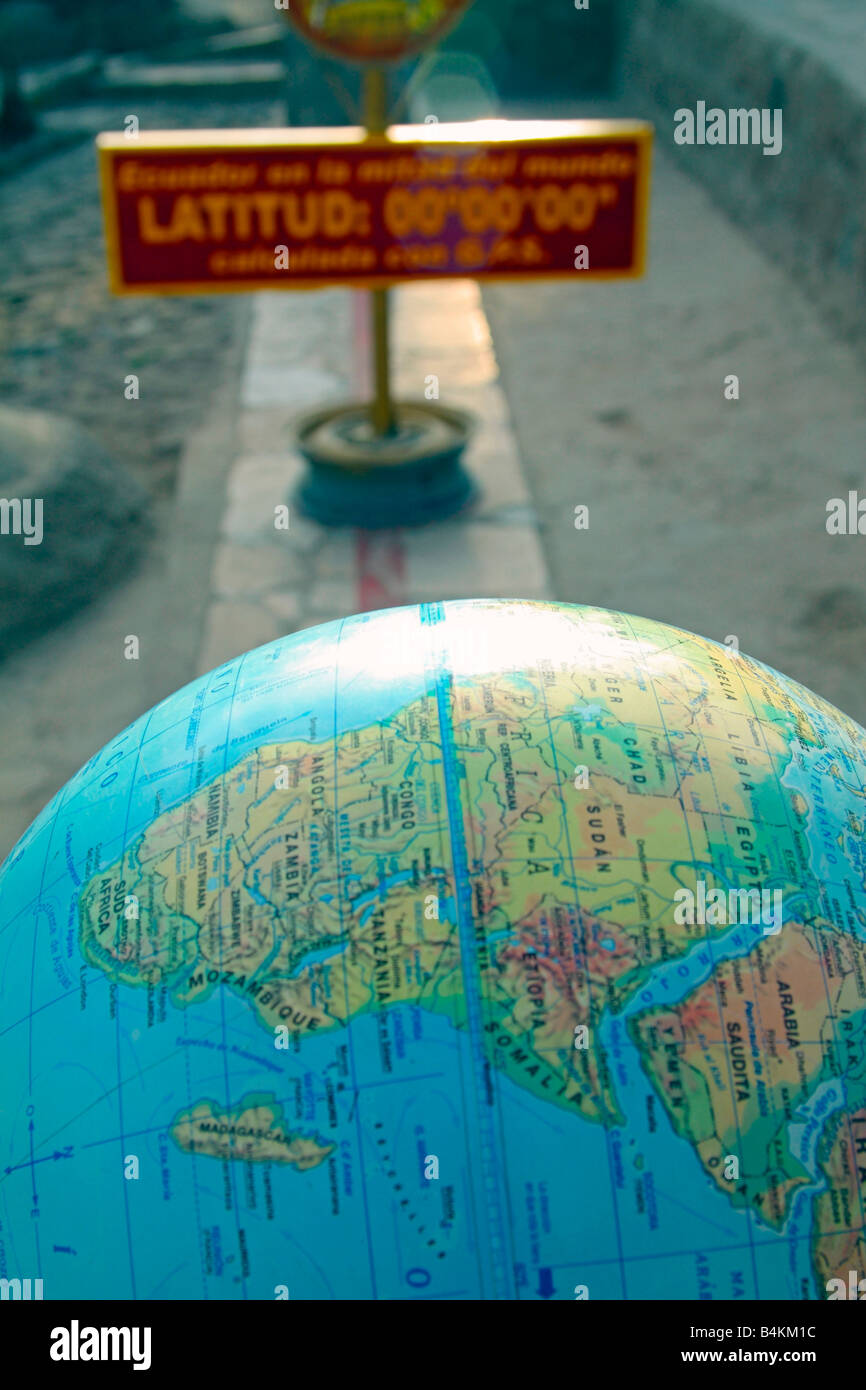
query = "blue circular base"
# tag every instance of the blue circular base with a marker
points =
(409, 478)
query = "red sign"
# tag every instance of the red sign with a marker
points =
(203, 211)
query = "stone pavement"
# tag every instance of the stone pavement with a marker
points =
(309, 350)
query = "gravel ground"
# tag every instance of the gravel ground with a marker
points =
(66, 344)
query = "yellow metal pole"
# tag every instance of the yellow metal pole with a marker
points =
(383, 406)
(382, 410)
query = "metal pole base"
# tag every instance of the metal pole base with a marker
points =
(356, 477)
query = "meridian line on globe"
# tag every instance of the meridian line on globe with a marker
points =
(490, 1159)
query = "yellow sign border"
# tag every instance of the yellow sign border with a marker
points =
(330, 139)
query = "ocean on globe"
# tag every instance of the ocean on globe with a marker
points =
(484, 950)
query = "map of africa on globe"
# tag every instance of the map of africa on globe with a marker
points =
(358, 969)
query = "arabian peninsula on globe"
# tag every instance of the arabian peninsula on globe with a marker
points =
(485, 950)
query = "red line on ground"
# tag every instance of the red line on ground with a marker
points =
(380, 570)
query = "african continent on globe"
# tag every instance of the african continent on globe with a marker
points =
(473, 950)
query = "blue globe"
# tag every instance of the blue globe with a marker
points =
(486, 950)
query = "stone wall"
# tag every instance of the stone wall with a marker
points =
(806, 207)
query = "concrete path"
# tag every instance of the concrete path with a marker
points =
(307, 350)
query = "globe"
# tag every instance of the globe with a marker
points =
(483, 950)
